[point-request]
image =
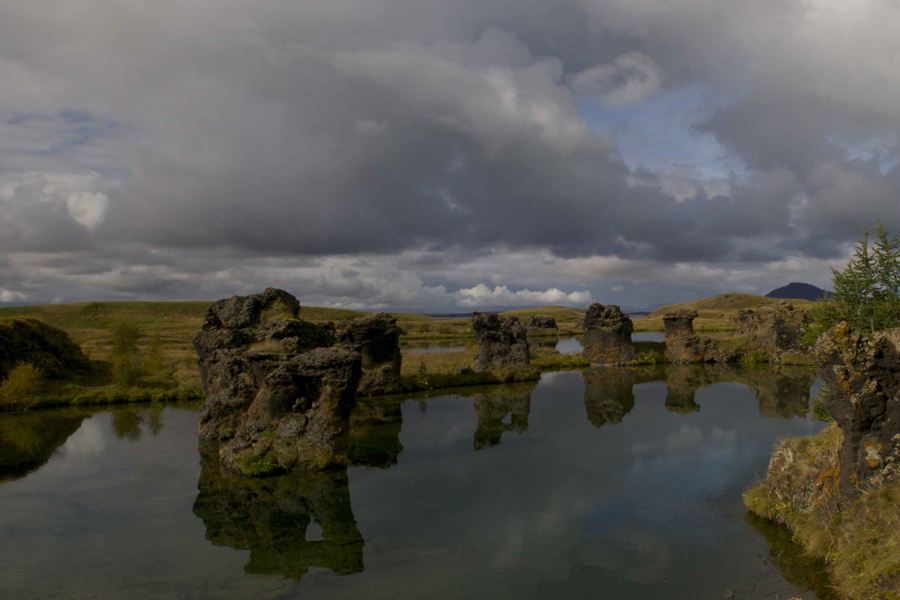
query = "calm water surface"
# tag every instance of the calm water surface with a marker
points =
(608, 484)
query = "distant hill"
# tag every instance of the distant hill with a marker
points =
(798, 291)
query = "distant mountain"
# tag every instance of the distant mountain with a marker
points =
(797, 291)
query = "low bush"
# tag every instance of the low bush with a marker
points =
(22, 386)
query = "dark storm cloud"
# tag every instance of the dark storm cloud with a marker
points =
(437, 133)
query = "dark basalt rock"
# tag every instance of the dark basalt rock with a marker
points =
(775, 328)
(269, 516)
(683, 345)
(278, 393)
(46, 347)
(501, 343)
(377, 339)
(863, 376)
(679, 321)
(607, 335)
(539, 323)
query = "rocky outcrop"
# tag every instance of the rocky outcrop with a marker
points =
(863, 377)
(278, 392)
(679, 321)
(270, 516)
(501, 343)
(775, 328)
(377, 339)
(539, 323)
(492, 408)
(607, 335)
(683, 345)
(46, 347)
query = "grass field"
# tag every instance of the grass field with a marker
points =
(715, 314)
(172, 325)
(166, 330)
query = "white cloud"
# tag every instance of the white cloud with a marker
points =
(11, 296)
(481, 295)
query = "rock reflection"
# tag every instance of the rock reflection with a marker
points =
(682, 383)
(608, 392)
(492, 409)
(795, 565)
(28, 440)
(609, 396)
(271, 516)
(783, 393)
(375, 426)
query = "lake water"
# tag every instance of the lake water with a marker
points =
(610, 484)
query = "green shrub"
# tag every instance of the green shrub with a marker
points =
(124, 339)
(127, 368)
(21, 386)
(755, 357)
(154, 362)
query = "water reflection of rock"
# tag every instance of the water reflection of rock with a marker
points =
(795, 565)
(375, 426)
(608, 393)
(28, 440)
(682, 383)
(782, 394)
(271, 516)
(492, 409)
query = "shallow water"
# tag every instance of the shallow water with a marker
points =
(605, 484)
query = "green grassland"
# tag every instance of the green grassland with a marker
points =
(166, 329)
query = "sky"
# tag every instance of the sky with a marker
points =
(439, 156)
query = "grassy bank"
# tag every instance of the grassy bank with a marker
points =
(859, 540)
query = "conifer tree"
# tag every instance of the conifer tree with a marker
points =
(867, 291)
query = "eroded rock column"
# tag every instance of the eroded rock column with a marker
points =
(278, 392)
(683, 345)
(501, 343)
(607, 335)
